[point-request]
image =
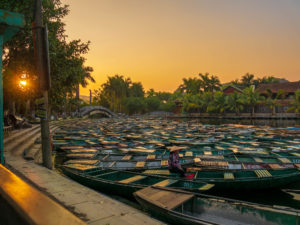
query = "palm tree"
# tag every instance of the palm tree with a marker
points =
(273, 102)
(190, 86)
(252, 98)
(235, 102)
(247, 79)
(218, 104)
(295, 105)
(204, 100)
(209, 83)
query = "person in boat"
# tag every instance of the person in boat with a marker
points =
(174, 165)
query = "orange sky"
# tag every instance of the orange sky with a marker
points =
(159, 42)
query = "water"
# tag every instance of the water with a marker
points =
(255, 122)
(288, 196)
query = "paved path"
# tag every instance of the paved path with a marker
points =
(91, 206)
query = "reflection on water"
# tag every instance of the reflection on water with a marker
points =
(256, 122)
(285, 197)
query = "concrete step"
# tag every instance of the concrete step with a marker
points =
(18, 133)
(22, 142)
(33, 152)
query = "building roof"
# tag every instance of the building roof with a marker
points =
(231, 86)
(288, 87)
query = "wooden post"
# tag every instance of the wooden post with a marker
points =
(43, 70)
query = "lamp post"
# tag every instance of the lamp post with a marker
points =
(10, 23)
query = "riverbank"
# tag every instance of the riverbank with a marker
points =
(93, 207)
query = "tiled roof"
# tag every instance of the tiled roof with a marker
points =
(288, 87)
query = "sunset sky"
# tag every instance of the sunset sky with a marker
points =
(159, 42)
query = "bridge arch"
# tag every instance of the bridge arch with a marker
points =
(87, 110)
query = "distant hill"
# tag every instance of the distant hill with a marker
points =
(85, 98)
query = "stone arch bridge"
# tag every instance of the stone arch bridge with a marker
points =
(89, 110)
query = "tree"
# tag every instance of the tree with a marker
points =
(136, 90)
(114, 91)
(191, 102)
(66, 60)
(234, 102)
(209, 83)
(218, 104)
(295, 105)
(152, 103)
(247, 80)
(205, 99)
(190, 86)
(252, 98)
(134, 105)
(273, 102)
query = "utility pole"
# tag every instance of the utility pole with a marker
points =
(40, 40)
(77, 100)
(90, 97)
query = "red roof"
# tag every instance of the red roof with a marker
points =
(288, 87)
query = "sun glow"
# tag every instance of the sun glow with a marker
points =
(23, 82)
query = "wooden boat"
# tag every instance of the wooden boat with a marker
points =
(125, 182)
(181, 207)
(241, 179)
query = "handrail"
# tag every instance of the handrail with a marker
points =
(31, 205)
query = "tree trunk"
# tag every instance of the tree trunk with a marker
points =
(12, 107)
(27, 109)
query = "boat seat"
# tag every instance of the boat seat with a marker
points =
(228, 176)
(256, 159)
(262, 173)
(284, 160)
(207, 153)
(164, 163)
(206, 187)
(105, 157)
(151, 156)
(140, 164)
(158, 172)
(165, 183)
(132, 179)
(295, 154)
(112, 164)
(235, 150)
(274, 166)
(188, 153)
(197, 160)
(127, 157)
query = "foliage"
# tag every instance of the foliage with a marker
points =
(66, 60)
(209, 83)
(134, 105)
(295, 105)
(218, 104)
(273, 102)
(235, 102)
(252, 98)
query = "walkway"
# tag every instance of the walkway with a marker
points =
(93, 207)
